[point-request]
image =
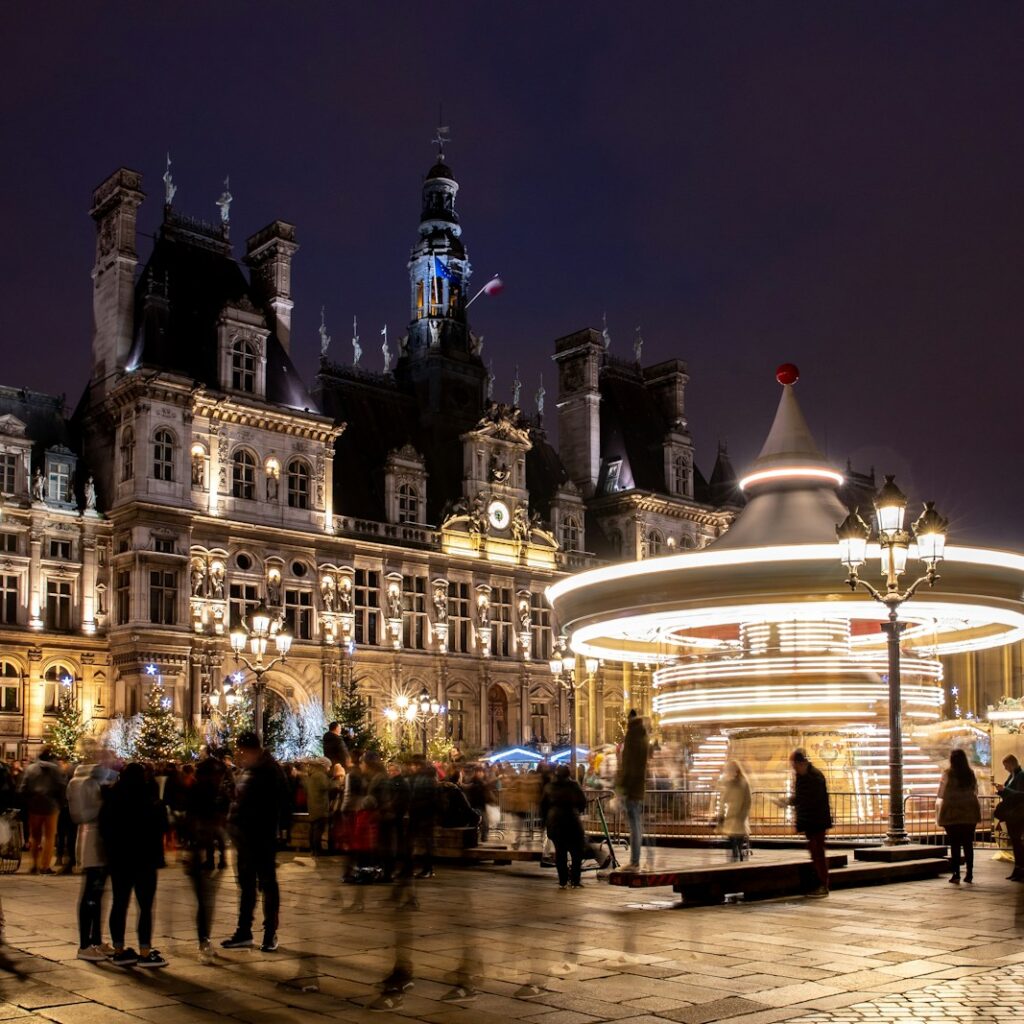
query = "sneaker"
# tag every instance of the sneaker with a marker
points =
(269, 944)
(92, 954)
(954, 879)
(152, 959)
(460, 994)
(397, 981)
(968, 878)
(387, 1001)
(630, 867)
(206, 954)
(819, 894)
(126, 958)
(562, 885)
(106, 949)
(238, 941)
(576, 885)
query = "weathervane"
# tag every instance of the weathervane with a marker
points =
(442, 138)
(169, 187)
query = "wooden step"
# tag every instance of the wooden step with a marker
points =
(887, 872)
(730, 874)
(894, 854)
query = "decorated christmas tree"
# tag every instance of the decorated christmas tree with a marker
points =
(352, 710)
(68, 727)
(160, 735)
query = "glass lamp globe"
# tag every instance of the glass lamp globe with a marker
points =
(930, 533)
(890, 508)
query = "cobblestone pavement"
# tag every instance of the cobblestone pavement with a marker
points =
(924, 952)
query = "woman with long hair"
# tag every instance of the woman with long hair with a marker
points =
(735, 810)
(959, 812)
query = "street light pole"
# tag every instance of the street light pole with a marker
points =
(894, 543)
(563, 668)
(257, 632)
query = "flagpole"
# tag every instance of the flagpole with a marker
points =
(482, 290)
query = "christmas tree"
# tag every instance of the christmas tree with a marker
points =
(352, 710)
(68, 727)
(159, 738)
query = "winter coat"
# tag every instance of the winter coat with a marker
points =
(810, 798)
(561, 806)
(736, 807)
(132, 823)
(335, 749)
(85, 801)
(42, 787)
(958, 804)
(316, 783)
(636, 750)
(261, 803)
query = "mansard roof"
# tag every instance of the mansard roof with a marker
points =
(188, 281)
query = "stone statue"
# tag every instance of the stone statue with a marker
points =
(325, 338)
(38, 486)
(225, 202)
(490, 381)
(90, 495)
(327, 593)
(606, 337)
(394, 603)
(197, 470)
(357, 349)
(520, 524)
(483, 611)
(273, 485)
(499, 471)
(384, 349)
(345, 595)
(169, 187)
(638, 345)
(538, 397)
(217, 581)
(524, 616)
(441, 603)
(517, 386)
(476, 344)
(197, 576)
(478, 515)
(435, 333)
(274, 591)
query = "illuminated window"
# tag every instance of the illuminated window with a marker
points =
(59, 481)
(163, 597)
(243, 475)
(127, 454)
(539, 722)
(10, 687)
(163, 455)
(414, 612)
(540, 626)
(680, 476)
(58, 604)
(298, 484)
(419, 298)
(243, 366)
(655, 543)
(8, 600)
(242, 599)
(8, 473)
(408, 504)
(366, 600)
(501, 622)
(298, 613)
(58, 679)
(458, 618)
(571, 534)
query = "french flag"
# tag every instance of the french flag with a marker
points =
(494, 286)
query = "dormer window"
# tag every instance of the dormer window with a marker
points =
(571, 534)
(408, 504)
(127, 454)
(8, 472)
(163, 455)
(681, 476)
(243, 366)
(58, 481)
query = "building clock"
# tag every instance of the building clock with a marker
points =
(497, 515)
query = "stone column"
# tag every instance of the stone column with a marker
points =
(36, 601)
(88, 584)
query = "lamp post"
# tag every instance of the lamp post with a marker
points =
(894, 543)
(420, 710)
(563, 668)
(256, 632)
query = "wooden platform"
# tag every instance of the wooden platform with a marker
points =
(480, 854)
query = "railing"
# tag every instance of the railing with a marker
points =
(694, 814)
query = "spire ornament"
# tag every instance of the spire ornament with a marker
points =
(517, 387)
(325, 338)
(490, 381)
(384, 349)
(638, 345)
(357, 349)
(538, 397)
(225, 202)
(606, 337)
(170, 189)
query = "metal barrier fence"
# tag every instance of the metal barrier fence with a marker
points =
(694, 814)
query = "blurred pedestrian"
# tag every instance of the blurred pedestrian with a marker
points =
(42, 792)
(253, 822)
(813, 814)
(1010, 811)
(85, 801)
(132, 824)
(561, 806)
(202, 829)
(959, 812)
(67, 830)
(631, 784)
(315, 782)
(334, 746)
(423, 812)
(482, 796)
(735, 815)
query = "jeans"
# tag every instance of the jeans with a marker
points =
(90, 913)
(816, 846)
(123, 881)
(257, 865)
(961, 837)
(635, 813)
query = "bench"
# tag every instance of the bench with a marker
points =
(707, 885)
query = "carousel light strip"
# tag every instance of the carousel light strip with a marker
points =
(788, 696)
(793, 665)
(792, 473)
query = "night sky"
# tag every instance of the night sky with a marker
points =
(837, 185)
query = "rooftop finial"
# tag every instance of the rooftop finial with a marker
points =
(225, 202)
(517, 387)
(357, 349)
(638, 345)
(169, 187)
(787, 373)
(538, 397)
(443, 136)
(605, 333)
(384, 349)
(325, 338)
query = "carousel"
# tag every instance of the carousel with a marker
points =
(758, 647)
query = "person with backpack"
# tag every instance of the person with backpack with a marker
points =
(42, 792)
(256, 815)
(959, 812)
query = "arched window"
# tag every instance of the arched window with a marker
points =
(571, 534)
(59, 679)
(243, 475)
(298, 484)
(243, 366)
(163, 455)
(408, 504)
(127, 454)
(655, 543)
(680, 475)
(10, 687)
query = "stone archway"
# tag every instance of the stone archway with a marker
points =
(497, 717)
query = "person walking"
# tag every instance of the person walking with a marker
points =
(85, 800)
(42, 789)
(959, 812)
(1010, 810)
(316, 784)
(813, 814)
(561, 806)
(253, 820)
(735, 817)
(132, 823)
(202, 827)
(334, 746)
(632, 783)
(423, 812)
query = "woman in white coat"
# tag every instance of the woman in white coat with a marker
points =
(735, 813)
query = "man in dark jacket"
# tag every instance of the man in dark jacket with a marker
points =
(1012, 793)
(334, 746)
(253, 820)
(813, 813)
(632, 783)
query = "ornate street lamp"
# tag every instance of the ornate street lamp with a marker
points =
(256, 633)
(421, 710)
(894, 543)
(563, 668)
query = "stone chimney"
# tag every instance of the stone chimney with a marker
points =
(666, 384)
(115, 205)
(579, 359)
(268, 254)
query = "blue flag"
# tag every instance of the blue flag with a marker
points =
(442, 270)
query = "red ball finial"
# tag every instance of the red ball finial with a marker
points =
(787, 373)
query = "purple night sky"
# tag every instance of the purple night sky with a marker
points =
(837, 185)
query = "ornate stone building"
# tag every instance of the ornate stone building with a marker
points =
(403, 523)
